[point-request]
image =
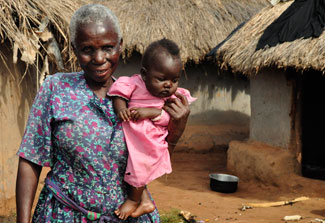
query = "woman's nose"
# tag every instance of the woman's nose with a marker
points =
(99, 57)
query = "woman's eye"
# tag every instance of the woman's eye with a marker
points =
(87, 50)
(108, 48)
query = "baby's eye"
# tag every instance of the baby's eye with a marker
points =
(175, 80)
(160, 79)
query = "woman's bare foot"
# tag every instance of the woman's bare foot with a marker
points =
(126, 209)
(146, 206)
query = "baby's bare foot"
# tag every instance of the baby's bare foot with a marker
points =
(126, 209)
(143, 208)
(146, 206)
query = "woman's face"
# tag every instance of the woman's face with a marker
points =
(162, 79)
(98, 50)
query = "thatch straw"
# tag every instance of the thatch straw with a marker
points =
(30, 25)
(239, 52)
(195, 25)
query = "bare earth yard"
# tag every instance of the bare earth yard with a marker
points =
(187, 187)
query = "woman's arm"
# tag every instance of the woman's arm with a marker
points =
(179, 110)
(26, 185)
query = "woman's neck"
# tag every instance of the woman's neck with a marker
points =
(100, 89)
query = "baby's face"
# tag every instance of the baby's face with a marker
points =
(162, 80)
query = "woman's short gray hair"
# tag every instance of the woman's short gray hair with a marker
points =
(92, 13)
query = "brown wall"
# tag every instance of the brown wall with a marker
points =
(16, 97)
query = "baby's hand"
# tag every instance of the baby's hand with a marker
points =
(138, 114)
(124, 114)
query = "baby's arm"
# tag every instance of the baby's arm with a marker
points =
(121, 108)
(144, 113)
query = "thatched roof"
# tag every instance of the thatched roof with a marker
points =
(37, 27)
(41, 28)
(195, 25)
(239, 51)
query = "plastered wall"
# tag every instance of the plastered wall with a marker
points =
(16, 96)
(270, 108)
(222, 97)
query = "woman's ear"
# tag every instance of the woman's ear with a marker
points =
(121, 44)
(143, 72)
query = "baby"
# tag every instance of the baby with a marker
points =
(138, 101)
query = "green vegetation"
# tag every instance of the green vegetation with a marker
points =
(171, 216)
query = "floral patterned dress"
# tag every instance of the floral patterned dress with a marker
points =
(78, 136)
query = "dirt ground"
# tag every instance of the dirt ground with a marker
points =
(187, 187)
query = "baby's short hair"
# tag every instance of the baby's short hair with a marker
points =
(157, 47)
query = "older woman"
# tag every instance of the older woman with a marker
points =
(72, 129)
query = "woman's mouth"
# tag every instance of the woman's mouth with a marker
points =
(101, 73)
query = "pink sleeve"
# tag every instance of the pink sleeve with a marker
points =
(187, 94)
(122, 87)
(164, 119)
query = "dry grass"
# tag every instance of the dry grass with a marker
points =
(197, 26)
(239, 52)
(31, 25)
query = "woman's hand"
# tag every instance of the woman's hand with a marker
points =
(179, 110)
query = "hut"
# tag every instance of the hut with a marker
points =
(287, 93)
(195, 26)
(34, 43)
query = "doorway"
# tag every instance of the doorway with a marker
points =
(313, 125)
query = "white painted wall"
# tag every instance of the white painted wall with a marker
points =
(270, 108)
(222, 96)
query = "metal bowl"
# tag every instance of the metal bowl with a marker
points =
(223, 183)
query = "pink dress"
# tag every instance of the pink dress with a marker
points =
(148, 150)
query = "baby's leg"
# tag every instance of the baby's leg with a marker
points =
(131, 203)
(146, 206)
